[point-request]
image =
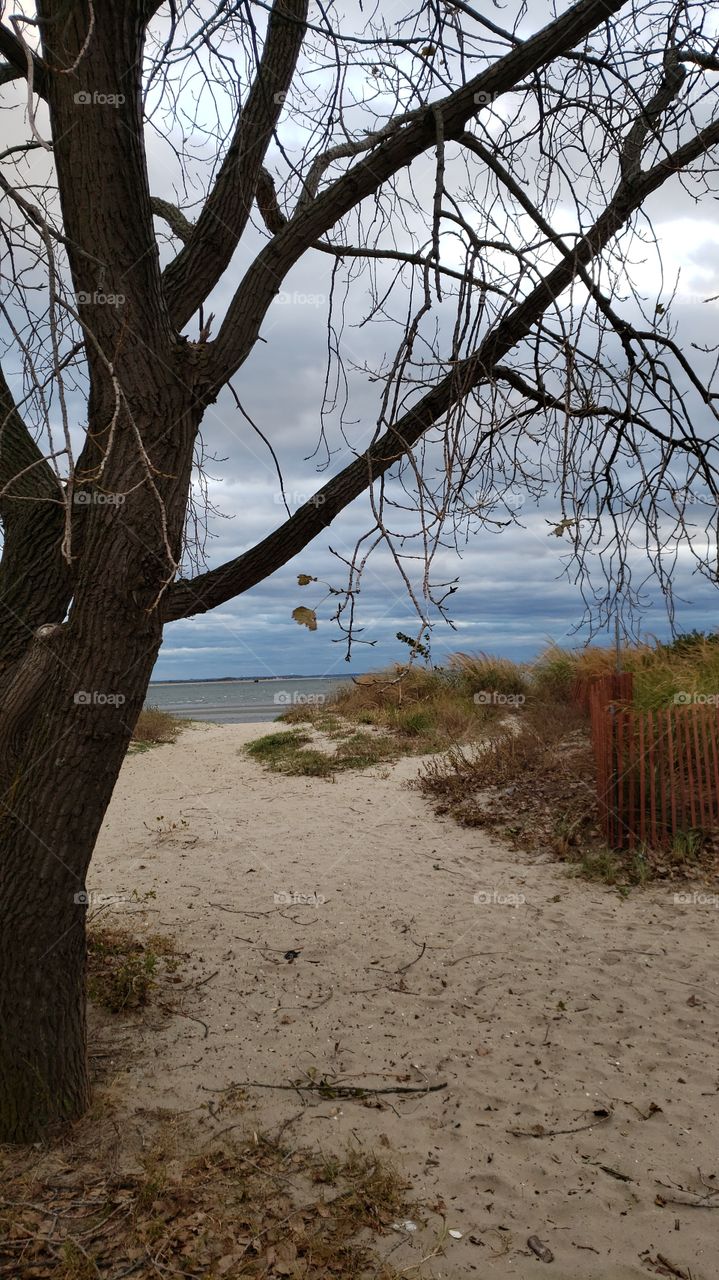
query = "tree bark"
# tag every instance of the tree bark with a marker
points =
(66, 717)
(64, 721)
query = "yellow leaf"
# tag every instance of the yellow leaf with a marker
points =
(304, 579)
(305, 617)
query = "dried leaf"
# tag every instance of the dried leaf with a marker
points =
(305, 617)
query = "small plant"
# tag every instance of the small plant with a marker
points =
(123, 970)
(687, 845)
(76, 1263)
(416, 723)
(167, 827)
(599, 864)
(377, 1190)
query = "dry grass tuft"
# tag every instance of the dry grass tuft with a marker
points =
(155, 726)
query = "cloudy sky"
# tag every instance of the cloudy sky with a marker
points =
(512, 594)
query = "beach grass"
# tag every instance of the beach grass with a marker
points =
(291, 752)
(662, 671)
(155, 726)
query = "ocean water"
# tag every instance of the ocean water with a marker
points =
(240, 701)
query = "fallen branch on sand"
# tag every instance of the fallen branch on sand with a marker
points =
(540, 1132)
(329, 1090)
(688, 1201)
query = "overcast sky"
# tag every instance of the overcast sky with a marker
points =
(512, 596)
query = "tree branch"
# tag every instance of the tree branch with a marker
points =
(16, 62)
(190, 277)
(34, 580)
(179, 225)
(25, 473)
(262, 281)
(188, 598)
(274, 219)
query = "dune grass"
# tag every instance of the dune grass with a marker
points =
(687, 666)
(154, 727)
(291, 751)
(423, 709)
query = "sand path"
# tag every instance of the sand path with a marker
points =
(541, 1003)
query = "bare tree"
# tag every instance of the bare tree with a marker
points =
(521, 355)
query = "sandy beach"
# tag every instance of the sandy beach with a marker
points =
(338, 930)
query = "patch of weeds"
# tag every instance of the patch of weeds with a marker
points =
(376, 1191)
(123, 970)
(623, 870)
(272, 747)
(599, 864)
(315, 714)
(367, 717)
(687, 846)
(152, 1186)
(362, 750)
(289, 753)
(309, 763)
(416, 723)
(76, 1263)
(154, 727)
(302, 713)
(327, 1170)
(639, 867)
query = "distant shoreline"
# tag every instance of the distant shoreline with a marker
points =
(252, 679)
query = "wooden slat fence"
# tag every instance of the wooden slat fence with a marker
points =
(657, 771)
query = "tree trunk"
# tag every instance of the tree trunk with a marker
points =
(61, 748)
(67, 711)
